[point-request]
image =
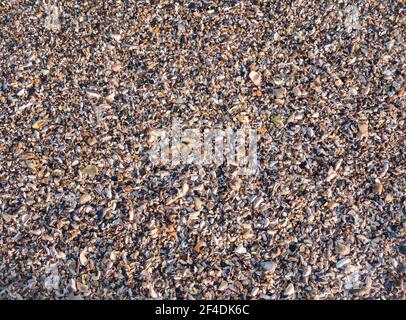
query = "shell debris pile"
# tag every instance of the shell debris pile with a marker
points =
(85, 214)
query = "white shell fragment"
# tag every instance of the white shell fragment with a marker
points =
(240, 249)
(83, 259)
(255, 77)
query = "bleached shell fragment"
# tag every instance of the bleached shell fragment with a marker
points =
(280, 93)
(240, 249)
(194, 215)
(93, 94)
(296, 91)
(331, 175)
(131, 214)
(52, 282)
(183, 191)
(83, 259)
(255, 77)
(338, 164)
(116, 37)
(235, 184)
(198, 203)
(117, 66)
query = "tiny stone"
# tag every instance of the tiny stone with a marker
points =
(307, 271)
(181, 27)
(331, 205)
(277, 120)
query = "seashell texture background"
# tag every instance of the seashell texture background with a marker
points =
(85, 214)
